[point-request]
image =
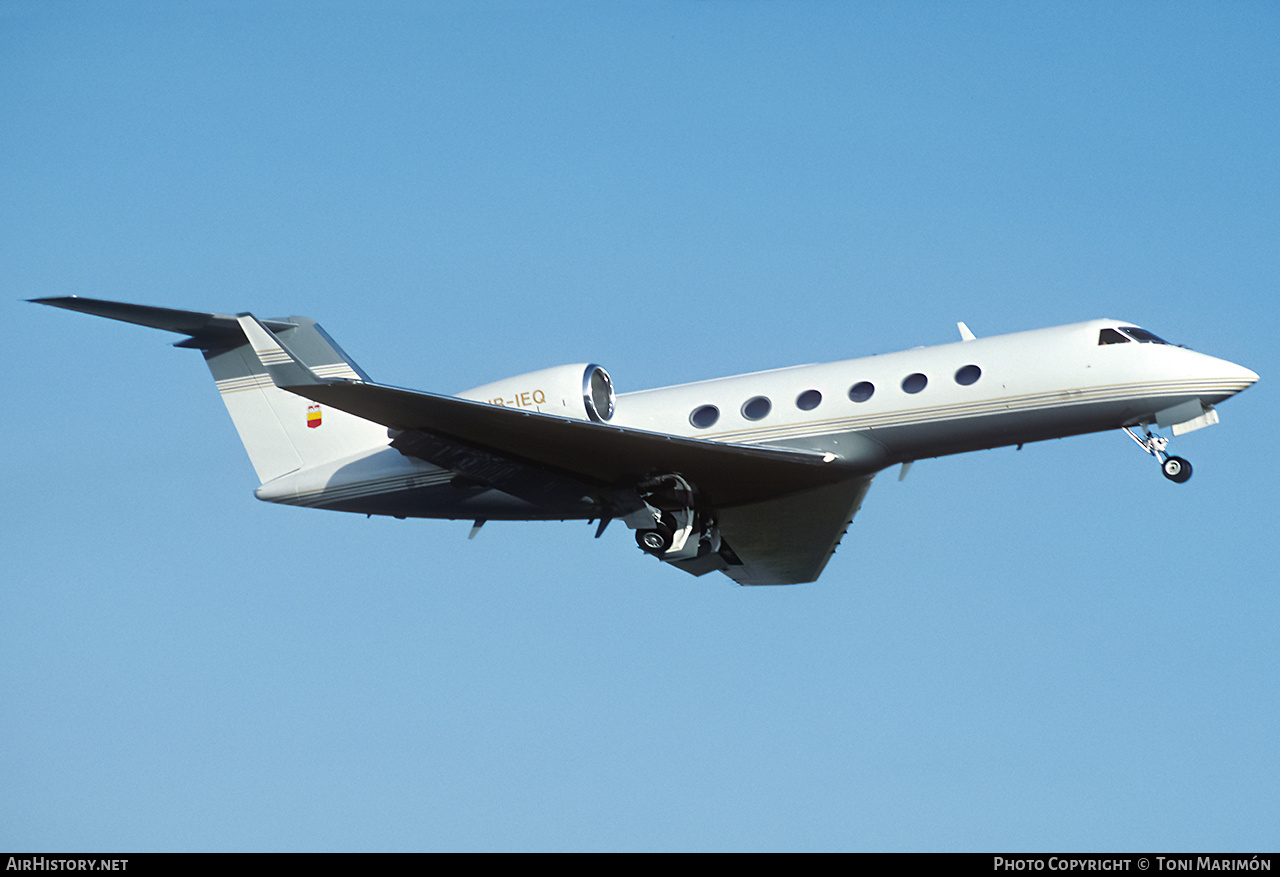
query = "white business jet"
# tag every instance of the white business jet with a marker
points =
(756, 476)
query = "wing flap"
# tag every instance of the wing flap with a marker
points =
(532, 483)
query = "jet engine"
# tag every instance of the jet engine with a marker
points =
(582, 392)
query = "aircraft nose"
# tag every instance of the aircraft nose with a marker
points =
(1244, 375)
(1218, 379)
(1236, 377)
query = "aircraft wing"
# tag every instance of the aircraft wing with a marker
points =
(780, 511)
(595, 453)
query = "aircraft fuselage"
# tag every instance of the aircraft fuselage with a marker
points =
(870, 413)
(1027, 387)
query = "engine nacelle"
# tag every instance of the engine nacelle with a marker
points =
(583, 392)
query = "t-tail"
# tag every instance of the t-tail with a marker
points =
(282, 432)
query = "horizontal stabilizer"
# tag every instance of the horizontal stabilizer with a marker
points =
(207, 331)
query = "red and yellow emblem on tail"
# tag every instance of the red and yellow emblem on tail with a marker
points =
(313, 416)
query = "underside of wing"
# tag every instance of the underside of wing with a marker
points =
(789, 540)
(785, 541)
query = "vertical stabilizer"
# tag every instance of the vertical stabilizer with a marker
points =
(281, 432)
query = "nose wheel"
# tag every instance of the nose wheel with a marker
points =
(1175, 469)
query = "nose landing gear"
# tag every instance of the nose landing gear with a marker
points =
(1175, 469)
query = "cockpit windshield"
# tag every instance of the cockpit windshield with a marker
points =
(1127, 333)
(1142, 335)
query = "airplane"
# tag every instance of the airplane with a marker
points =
(757, 476)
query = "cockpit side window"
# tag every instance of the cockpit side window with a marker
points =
(1142, 335)
(1111, 336)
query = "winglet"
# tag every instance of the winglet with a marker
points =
(965, 334)
(286, 370)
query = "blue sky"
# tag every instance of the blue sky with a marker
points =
(1046, 649)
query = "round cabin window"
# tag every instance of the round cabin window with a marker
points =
(704, 416)
(757, 408)
(808, 400)
(914, 383)
(862, 391)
